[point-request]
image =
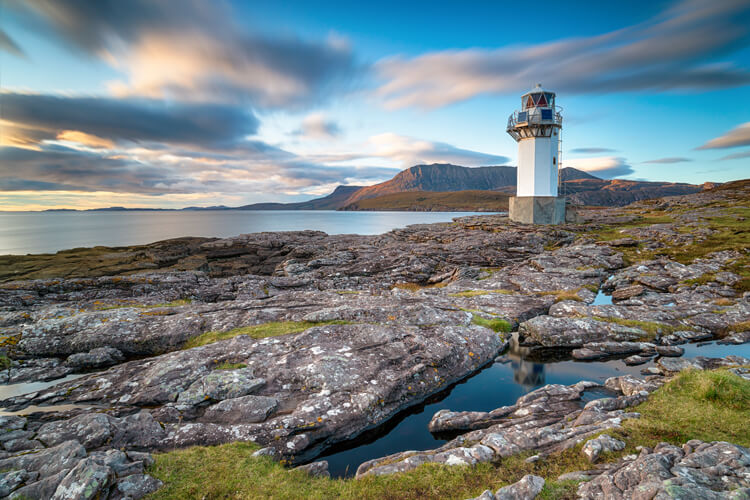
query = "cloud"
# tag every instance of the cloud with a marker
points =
(194, 50)
(681, 48)
(8, 45)
(137, 120)
(410, 151)
(738, 136)
(592, 150)
(669, 160)
(316, 126)
(737, 156)
(605, 167)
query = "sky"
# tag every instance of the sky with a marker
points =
(174, 103)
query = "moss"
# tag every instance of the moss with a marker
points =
(415, 287)
(174, 303)
(475, 293)
(561, 295)
(230, 366)
(5, 362)
(495, 324)
(272, 329)
(652, 328)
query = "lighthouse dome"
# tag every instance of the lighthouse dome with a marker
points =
(538, 98)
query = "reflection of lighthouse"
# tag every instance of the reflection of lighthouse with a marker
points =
(536, 128)
(526, 373)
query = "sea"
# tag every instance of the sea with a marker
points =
(48, 232)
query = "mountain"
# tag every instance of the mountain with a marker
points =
(440, 177)
(333, 201)
(432, 201)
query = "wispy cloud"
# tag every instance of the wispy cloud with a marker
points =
(8, 45)
(678, 49)
(317, 126)
(133, 120)
(738, 136)
(737, 156)
(669, 160)
(605, 167)
(194, 50)
(404, 151)
(592, 150)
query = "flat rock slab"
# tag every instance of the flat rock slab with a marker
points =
(331, 381)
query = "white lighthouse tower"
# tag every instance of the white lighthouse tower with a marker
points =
(536, 128)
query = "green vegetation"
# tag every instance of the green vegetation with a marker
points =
(174, 303)
(230, 366)
(415, 287)
(495, 324)
(475, 293)
(5, 362)
(451, 201)
(272, 329)
(193, 473)
(702, 405)
(652, 328)
(706, 405)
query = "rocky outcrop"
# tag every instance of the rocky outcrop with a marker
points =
(552, 418)
(74, 464)
(697, 470)
(528, 488)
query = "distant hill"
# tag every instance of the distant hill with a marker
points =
(430, 201)
(337, 199)
(440, 177)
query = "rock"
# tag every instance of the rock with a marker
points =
(701, 470)
(11, 480)
(245, 409)
(315, 469)
(637, 360)
(577, 476)
(486, 495)
(85, 481)
(49, 461)
(43, 488)
(551, 331)
(736, 338)
(669, 351)
(99, 357)
(220, 385)
(527, 488)
(137, 486)
(602, 444)
(628, 292)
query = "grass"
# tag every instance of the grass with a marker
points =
(706, 405)
(272, 329)
(652, 328)
(174, 303)
(476, 293)
(230, 366)
(561, 295)
(495, 324)
(193, 473)
(415, 287)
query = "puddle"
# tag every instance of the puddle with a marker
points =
(602, 299)
(46, 409)
(499, 384)
(12, 390)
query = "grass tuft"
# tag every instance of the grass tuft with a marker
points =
(272, 329)
(497, 325)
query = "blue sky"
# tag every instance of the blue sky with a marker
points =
(175, 103)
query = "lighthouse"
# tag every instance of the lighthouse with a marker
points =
(536, 128)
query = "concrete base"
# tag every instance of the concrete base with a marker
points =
(537, 209)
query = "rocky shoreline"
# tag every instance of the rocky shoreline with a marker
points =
(175, 344)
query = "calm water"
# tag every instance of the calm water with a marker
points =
(34, 232)
(499, 384)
